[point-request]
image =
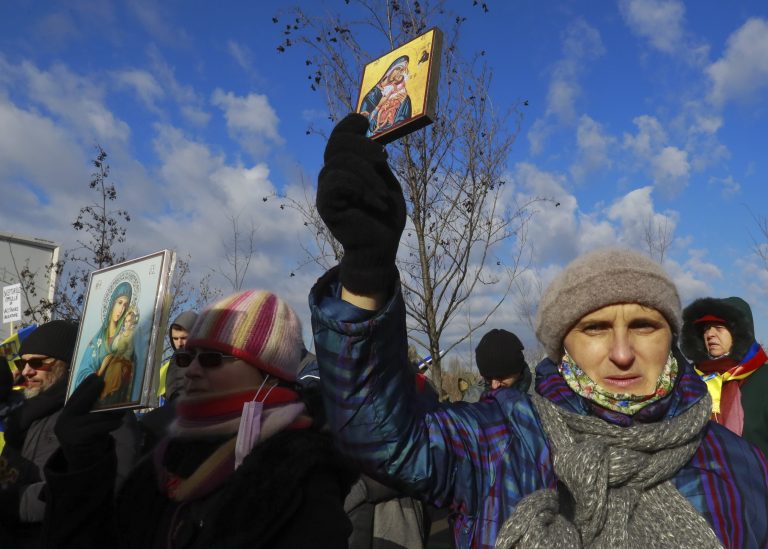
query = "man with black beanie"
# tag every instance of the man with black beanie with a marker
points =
(499, 358)
(45, 360)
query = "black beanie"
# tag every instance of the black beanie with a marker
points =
(500, 354)
(56, 339)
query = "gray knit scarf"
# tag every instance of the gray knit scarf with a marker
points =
(614, 488)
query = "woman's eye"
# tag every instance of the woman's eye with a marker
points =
(644, 326)
(594, 328)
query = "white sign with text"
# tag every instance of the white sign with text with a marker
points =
(12, 303)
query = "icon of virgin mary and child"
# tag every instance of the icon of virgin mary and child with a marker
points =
(388, 103)
(110, 353)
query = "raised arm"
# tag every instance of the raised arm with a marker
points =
(438, 451)
(361, 202)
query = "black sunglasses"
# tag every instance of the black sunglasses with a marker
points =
(43, 364)
(207, 359)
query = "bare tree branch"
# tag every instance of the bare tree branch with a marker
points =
(459, 210)
(658, 237)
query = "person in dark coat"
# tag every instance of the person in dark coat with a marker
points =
(243, 465)
(500, 361)
(29, 433)
(154, 424)
(718, 336)
(178, 334)
(382, 517)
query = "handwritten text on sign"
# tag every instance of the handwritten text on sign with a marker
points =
(12, 303)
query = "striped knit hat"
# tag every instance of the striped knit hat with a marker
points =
(255, 326)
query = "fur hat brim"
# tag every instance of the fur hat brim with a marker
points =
(738, 319)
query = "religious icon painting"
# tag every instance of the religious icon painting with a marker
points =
(398, 92)
(120, 337)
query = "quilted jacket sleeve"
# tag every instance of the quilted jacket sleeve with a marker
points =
(446, 453)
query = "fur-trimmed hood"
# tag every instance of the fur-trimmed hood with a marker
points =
(738, 319)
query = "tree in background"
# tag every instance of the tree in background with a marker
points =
(760, 244)
(658, 237)
(459, 207)
(102, 232)
(238, 253)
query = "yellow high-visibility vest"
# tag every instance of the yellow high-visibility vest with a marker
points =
(163, 374)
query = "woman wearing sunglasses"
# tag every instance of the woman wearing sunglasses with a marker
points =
(242, 466)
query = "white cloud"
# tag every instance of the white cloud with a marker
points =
(754, 279)
(669, 166)
(593, 149)
(143, 84)
(581, 43)
(242, 55)
(702, 268)
(250, 119)
(742, 71)
(659, 21)
(158, 24)
(698, 125)
(191, 104)
(695, 276)
(641, 227)
(553, 230)
(186, 165)
(537, 135)
(560, 230)
(670, 169)
(688, 285)
(205, 193)
(662, 24)
(650, 136)
(77, 100)
(558, 234)
(42, 189)
(728, 185)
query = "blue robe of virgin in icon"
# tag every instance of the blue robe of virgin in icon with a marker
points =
(102, 345)
(372, 102)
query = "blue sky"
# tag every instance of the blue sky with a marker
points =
(639, 111)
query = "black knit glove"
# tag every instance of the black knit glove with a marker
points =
(84, 436)
(15, 469)
(361, 202)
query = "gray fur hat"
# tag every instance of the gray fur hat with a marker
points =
(598, 279)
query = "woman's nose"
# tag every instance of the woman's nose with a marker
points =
(621, 352)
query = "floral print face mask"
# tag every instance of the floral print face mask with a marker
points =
(627, 404)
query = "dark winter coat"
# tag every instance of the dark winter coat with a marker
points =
(30, 442)
(154, 424)
(754, 389)
(288, 493)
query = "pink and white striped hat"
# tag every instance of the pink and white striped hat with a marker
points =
(255, 326)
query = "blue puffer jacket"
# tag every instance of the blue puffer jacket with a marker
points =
(481, 459)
